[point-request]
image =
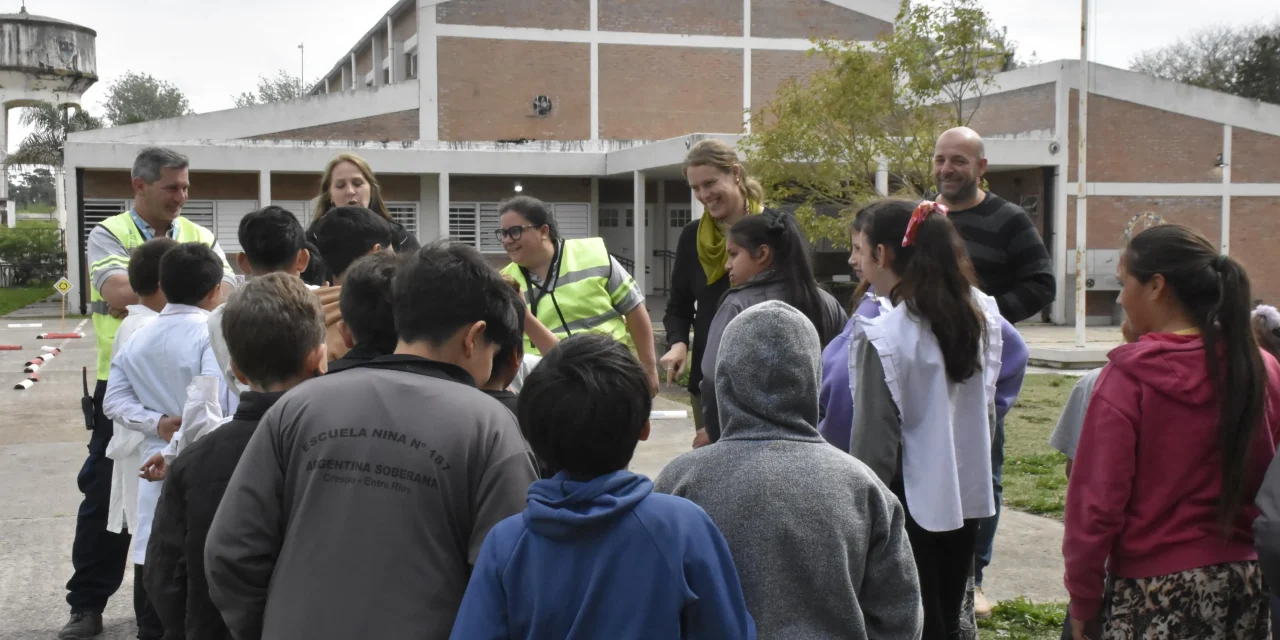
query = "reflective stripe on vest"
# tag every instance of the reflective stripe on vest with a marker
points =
(580, 294)
(122, 227)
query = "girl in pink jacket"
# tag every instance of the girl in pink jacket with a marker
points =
(1178, 435)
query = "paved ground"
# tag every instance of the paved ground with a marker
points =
(42, 445)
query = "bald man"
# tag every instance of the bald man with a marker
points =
(1007, 251)
(1013, 266)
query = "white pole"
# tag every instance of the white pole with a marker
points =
(1081, 191)
(1226, 189)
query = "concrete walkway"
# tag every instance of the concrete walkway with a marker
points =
(42, 446)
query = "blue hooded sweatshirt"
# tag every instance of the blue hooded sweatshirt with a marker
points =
(606, 558)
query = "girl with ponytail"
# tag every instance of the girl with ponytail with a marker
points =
(767, 258)
(1178, 435)
(924, 389)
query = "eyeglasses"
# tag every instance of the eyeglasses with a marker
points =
(512, 232)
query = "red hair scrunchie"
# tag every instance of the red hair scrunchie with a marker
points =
(925, 209)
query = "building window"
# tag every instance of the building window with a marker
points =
(411, 65)
(608, 218)
(680, 218)
(405, 213)
(631, 218)
(386, 76)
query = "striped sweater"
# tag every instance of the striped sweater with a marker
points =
(1009, 256)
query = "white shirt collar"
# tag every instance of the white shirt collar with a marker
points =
(173, 309)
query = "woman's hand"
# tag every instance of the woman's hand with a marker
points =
(675, 361)
(701, 439)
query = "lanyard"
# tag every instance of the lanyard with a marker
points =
(553, 278)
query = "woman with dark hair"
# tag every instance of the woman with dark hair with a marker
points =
(924, 394)
(571, 286)
(768, 259)
(698, 279)
(1178, 435)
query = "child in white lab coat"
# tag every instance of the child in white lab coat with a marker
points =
(147, 386)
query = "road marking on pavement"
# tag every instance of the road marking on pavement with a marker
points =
(30, 325)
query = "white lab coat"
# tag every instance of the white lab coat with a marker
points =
(946, 436)
(149, 380)
(125, 447)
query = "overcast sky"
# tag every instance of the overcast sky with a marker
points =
(213, 53)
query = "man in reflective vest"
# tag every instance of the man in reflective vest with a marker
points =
(160, 183)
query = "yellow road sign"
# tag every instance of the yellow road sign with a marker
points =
(62, 286)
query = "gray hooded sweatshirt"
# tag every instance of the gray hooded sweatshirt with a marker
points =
(819, 541)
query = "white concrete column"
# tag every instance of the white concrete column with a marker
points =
(59, 197)
(428, 73)
(391, 51)
(1226, 189)
(594, 10)
(326, 85)
(429, 208)
(443, 199)
(375, 57)
(593, 220)
(882, 177)
(345, 85)
(695, 206)
(356, 80)
(264, 188)
(638, 232)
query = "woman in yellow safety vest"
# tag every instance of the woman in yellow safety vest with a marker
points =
(573, 286)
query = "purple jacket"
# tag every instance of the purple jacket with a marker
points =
(837, 402)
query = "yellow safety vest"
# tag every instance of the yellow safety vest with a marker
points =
(122, 227)
(577, 299)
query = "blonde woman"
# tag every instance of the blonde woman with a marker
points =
(349, 182)
(698, 277)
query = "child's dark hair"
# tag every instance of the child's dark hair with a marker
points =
(365, 301)
(583, 407)
(1215, 292)
(936, 281)
(271, 238)
(271, 325)
(506, 362)
(791, 261)
(144, 265)
(444, 287)
(346, 234)
(317, 273)
(188, 272)
(535, 211)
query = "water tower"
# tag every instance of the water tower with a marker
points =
(41, 60)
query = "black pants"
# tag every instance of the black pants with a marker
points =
(98, 556)
(942, 562)
(149, 625)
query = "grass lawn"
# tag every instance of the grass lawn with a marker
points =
(1021, 620)
(1035, 479)
(16, 298)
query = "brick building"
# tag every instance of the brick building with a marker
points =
(591, 104)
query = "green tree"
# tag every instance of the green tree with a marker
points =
(138, 97)
(1209, 58)
(51, 126)
(1258, 74)
(278, 88)
(818, 145)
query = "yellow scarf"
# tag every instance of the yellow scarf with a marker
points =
(712, 253)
